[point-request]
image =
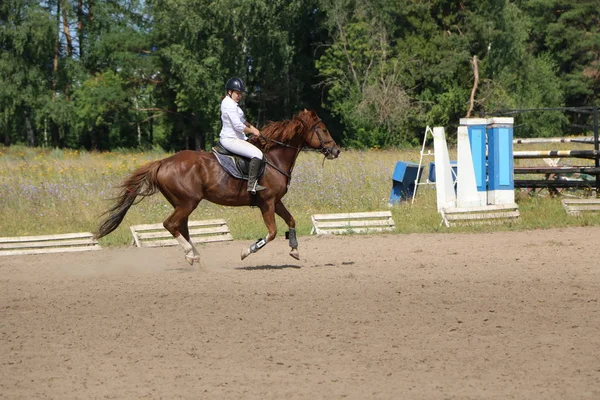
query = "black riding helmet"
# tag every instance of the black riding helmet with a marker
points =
(236, 84)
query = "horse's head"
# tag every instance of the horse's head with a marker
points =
(317, 136)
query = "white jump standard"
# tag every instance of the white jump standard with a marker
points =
(485, 185)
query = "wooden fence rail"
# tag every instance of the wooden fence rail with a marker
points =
(362, 222)
(68, 242)
(155, 235)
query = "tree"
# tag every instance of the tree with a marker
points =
(363, 76)
(26, 32)
(113, 78)
(569, 32)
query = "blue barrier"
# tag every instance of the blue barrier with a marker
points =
(453, 165)
(403, 181)
(501, 185)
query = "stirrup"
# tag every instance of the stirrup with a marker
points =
(255, 188)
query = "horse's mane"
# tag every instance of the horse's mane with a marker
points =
(284, 131)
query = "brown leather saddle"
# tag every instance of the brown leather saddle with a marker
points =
(233, 164)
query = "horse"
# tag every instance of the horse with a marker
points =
(188, 177)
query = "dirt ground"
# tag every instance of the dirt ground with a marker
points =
(444, 316)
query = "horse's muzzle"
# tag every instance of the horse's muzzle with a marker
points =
(331, 152)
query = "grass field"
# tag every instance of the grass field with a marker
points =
(46, 191)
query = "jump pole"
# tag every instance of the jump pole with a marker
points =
(585, 139)
(590, 154)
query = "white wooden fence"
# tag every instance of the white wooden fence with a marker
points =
(579, 206)
(155, 235)
(68, 242)
(480, 215)
(362, 222)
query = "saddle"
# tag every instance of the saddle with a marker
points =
(235, 165)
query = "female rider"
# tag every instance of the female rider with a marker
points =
(235, 127)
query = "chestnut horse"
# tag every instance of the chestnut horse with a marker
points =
(188, 177)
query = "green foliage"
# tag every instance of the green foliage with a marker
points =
(25, 43)
(569, 32)
(364, 79)
(133, 73)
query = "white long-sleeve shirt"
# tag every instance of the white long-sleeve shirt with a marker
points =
(232, 117)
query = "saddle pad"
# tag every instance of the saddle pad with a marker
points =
(229, 165)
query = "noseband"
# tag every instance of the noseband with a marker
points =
(323, 149)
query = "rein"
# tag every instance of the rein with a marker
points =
(289, 176)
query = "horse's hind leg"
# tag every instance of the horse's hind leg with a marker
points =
(177, 225)
(185, 233)
(291, 223)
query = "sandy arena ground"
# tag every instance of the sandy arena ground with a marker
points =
(445, 316)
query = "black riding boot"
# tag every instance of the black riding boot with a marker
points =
(253, 168)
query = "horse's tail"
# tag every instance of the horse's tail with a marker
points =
(142, 183)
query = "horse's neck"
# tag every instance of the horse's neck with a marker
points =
(285, 157)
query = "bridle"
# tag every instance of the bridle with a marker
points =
(323, 149)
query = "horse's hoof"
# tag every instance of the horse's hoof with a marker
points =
(191, 259)
(245, 253)
(295, 253)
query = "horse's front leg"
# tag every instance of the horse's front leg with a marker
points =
(291, 223)
(268, 213)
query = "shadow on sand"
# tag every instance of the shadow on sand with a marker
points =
(268, 267)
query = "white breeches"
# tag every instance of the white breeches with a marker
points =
(241, 147)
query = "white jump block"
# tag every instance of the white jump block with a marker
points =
(577, 207)
(62, 243)
(362, 222)
(490, 214)
(155, 235)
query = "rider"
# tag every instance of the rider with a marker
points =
(232, 136)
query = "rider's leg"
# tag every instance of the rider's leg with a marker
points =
(253, 169)
(243, 148)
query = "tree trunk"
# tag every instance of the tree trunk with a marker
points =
(30, 131)
(200, 140)
(137, 115)
(6, 138)
(56, 52)
(151, 132)
(475, 84)
(54, 134)
(53, 127)
(90, 14)
(67, 30)
(94, 138)
(80, 33)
